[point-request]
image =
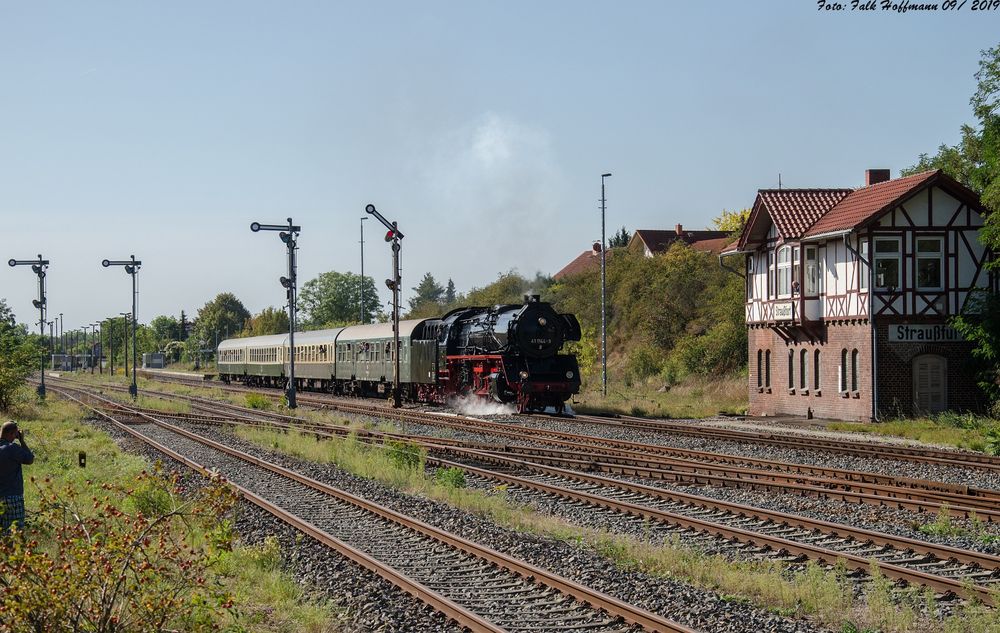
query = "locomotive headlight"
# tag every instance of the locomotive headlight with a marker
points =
(524, 375)
(542, 321)
(569, 375)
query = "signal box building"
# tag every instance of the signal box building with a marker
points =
(849, 293)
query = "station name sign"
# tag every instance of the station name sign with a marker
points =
(782, 311)
(923, 334)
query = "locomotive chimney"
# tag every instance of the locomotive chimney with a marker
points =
(532, 298)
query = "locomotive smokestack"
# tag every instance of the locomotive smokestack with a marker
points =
(532, 298)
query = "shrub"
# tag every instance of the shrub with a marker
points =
(107, 570)
(258, 401)
(643, 363)
(451, 477)
(405, 455)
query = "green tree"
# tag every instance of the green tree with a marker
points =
(449, 293)
(334, 298)
(20, 355)
(510, 287)
(164, 329)
(267, 321)
(731, 221)
(428, 296)
(224, 315)
(619, 239)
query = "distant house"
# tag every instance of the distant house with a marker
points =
(649, 242)
(849, 292)
(652, 242)
(587, 260)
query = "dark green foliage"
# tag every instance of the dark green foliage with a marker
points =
(223, 316)
(619, 239)
(333, 299)
(449, 293)
(428, 298)
(451, 477)
(20, 355)
(405, 455)
(267, 321)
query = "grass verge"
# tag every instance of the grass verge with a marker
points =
(694, 397)
(266, 598)
(962, 430)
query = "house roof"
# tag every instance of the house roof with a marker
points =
(658, 241)
(586, 260)
(866, 203)
(792, 211)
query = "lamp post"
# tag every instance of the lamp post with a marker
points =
(86, 343)
(132, 268)
(100, 348)
(111, 346)
(39, 266)
(52, 345)
(394, 236)
(604, 313)
(289, 234)
(124, 316)
(363, 270)
(62, 340)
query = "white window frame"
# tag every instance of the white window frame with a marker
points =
(784, 272)
(796, 286)
(751, 278)
(812, 263)
(772, 278)
(939, 257)
(898, 256)
(862, 267)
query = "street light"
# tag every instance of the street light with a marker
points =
(604, 313)
(395, 284)
(100, 347)
(363, 270)
(289, 234)
(125, 316)
(39, 266)
(132, 268)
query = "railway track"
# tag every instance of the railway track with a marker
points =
(759, 532)
(588, 453)
(479, 588)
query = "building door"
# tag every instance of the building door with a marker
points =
(930, 389)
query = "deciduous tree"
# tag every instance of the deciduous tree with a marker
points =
(20, 355)
(334, 298)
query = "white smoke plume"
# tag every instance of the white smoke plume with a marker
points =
(475, 406)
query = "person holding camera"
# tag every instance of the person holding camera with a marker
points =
(12, 456)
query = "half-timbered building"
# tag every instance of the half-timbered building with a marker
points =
(849, 293)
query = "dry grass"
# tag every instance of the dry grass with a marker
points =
(967, 431)
(695, 397)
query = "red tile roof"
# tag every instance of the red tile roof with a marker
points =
(795, 210)
(585, 261)
(659, 241)
(867, 202)
(731, 247)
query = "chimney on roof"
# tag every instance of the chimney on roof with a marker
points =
(679, 229)
(874, 176)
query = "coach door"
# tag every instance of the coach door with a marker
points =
(930, 388)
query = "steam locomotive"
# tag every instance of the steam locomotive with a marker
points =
(506, 353)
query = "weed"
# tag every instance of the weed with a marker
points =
(258, 401)
(451, 477)
(942, 525)
(405, 455)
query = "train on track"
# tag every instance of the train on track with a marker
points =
(506, 353)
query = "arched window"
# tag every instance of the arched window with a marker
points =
(803, 369)
(767, 369)
(791, 369)
(760, 376)
(854, 370)
(816, 370)
(843, 369)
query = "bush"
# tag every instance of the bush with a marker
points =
(258, 401)
(109, 571)
(643, 363)
(405, 455)
(451, 477)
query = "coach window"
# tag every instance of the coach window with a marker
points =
(816, 370)
(930, 257)
(785, 271)
(854, 369)
(887, 262)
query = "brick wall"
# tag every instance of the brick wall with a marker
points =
(895, 369)
(827, 402)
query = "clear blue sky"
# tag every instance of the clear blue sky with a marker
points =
(164, 128)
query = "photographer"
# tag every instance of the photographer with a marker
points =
(12, 456)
